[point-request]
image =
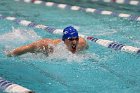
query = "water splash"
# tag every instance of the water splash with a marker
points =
(17, 37)
(61, 54)
(21, 35)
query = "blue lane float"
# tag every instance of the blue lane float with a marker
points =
(88, 10)
(129, 2)
(102, 42)
(115, 45)
(9, 87)
(31, 24)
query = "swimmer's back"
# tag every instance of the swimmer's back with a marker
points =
(47, 41)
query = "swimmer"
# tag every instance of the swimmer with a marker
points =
(71, 39)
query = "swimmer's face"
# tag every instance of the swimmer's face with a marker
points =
(72, 44)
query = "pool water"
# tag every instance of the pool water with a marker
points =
(95, 70)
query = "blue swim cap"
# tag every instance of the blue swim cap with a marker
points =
(69, 32)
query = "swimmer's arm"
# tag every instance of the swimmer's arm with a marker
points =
(21, 50)
(40, 44)
(56, 41)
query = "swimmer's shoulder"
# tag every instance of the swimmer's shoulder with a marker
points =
(82, 40)
(83, 43)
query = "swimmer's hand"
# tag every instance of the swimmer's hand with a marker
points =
(9, 53)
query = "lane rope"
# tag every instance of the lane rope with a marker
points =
(102, 42)
(9, 87)
(88, 10)
(129, 2)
